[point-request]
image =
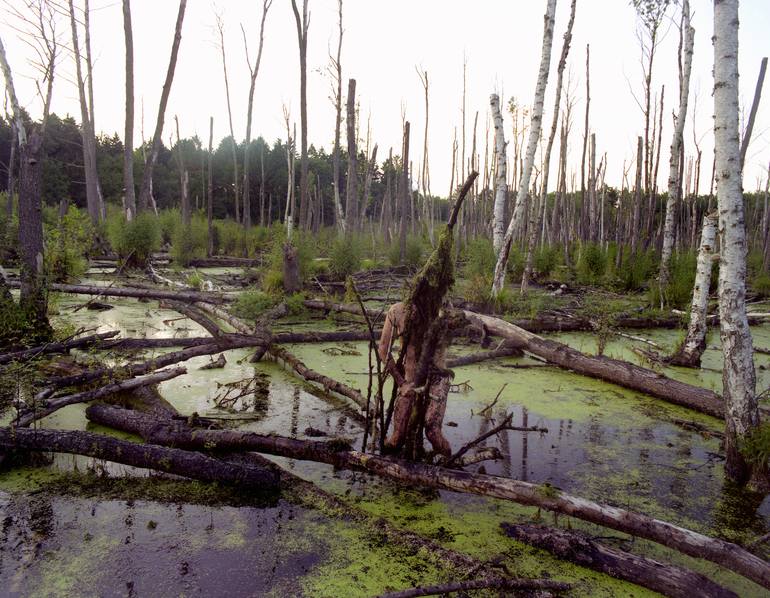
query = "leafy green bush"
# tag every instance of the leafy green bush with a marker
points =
(9, 231)
(592, 264)
(545, 260)
(515, 265)
(272, 275)
(189, 242)
(755, 446)
(414, 250)
(635, 270)
(168, 221)
(761, 285)
(252, 303)
(295, 304)
(67, 244)
(678, 292)
(479, 259)
(345, 257)
(136, 240)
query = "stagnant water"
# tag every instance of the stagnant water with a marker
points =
(603, 443)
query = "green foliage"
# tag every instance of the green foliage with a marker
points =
(189, 242)
(345, 257)
(168, 222)
(516, 262)
(67, 244)
(9, 231)
(477, 289)
(295, 304)
(678, 292)
(136, 240)
(755, 446)
(592, 264)
(272, 275)
(635, 270)
(252, 303)
(412, 254)
(15, 327)
(480, 259)
(232, 239)
(761, 285)
(545, 260)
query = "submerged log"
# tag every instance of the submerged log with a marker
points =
(616, 371)
(62, 347)
(41, 411)
(135, 292)
(481, 584)
(669, 580)
(726, 554)
(483, 356)
(169, 460)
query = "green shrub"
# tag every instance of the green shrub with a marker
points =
(272, 275)
(515, 265)
(761, 285)
(9, 231)
(189, 242)
(345, 257)
(295, 304)
(67, 245)
(136, 240)
(479, 259)
(545, 261)
(635, 270)
(755, 446)
(592, 264)
(168, 222)
(678, 292)
(249, 305)
(412, 253)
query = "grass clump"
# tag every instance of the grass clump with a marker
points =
(755, 446)
(678, 292)
(67, 244)
(134, 241)
(479, 259)
(253, 303)
(545, 261)
(591, 265)
(345, 257)
(189, 243)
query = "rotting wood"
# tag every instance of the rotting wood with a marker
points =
(481, 584)
(169, 460)
(62, 347)
(669, 580)
(135, 292)
(726, 554)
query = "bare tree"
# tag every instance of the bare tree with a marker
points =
(351, 195)
(753, 112)
(184, 178)
(335, 70)
(39, 24)
(253, 71)
(534, 137)
(303, 23)
(738, 375)
(501, 176)
(210, 191)
(674, 179)
(128, 141)
(145, 192)
(425, 172)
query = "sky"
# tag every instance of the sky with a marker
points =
(383, 45)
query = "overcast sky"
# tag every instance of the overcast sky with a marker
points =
(383, 43)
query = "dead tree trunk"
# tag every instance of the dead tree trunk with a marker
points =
(128, 140)
(146, 189)
(351, 195)
(303, 23)
(210, 191)
(404, 195)
(501, 174)
(233, 144)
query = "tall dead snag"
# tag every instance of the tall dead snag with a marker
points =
(253, 71)
(184, 179)
(405, 191)
(146, 188)
(44, 38)
(423, 326)
(753, 113)
(210, 191)
(427, 204)
(336, 72)
(535, 222)
(303, 23)
(738, 376)
(501, 174)
(351, 195)
(674, 179)
(128, 140)
(534, 136)
(233, 144)
(93, 196)
(691, 350)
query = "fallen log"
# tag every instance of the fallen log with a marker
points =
(77, 343)
(135, 292)
(616, 371)
(461, 360)
(41, 411)
(669, 580)
(225, 262)
(169, 460)
(481, 584)
(305, 372)
(726, 554)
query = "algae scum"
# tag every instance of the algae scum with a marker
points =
(76, 526)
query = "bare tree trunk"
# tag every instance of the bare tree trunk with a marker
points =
(738, 373)
(86, 129)
(254, 71)
(691, 350)
(351, 196)
(11, 164)
(501, 174)
(534, 136)
(183, 179)
(337, 74)
(233, 145)
(302, 26)
(210, 190)
(129, 192)
(370, 168)
(404, 195)
(674, 181)
(145, 192)
(753, 114)
(585, 134)
(635, 220)
(425, 174)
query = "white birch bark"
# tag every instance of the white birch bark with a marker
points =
(738, 375)
(501, 174)
(674, 182)
(694, 344)
(534, 136)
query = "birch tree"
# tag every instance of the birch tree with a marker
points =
(738, 375)
(501, 174)
(253, 71)
(146, 189)
(534, 136)
(674, 180)
(128, 139)
(547, 158)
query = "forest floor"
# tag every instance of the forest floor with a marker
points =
(78, 526)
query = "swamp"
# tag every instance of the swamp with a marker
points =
(267, 370)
